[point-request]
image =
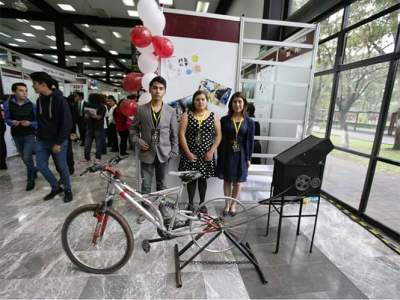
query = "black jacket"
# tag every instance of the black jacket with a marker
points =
(54, 118)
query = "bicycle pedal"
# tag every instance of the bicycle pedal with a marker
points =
(146, 246)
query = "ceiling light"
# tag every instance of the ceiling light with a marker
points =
(22, 20)
(72, 56)
(13, 45)
(67, 43)
(19, 5)
(85, 25)
(54, 56)
(133, 13)
(28, 34)
(101, 41)
(97, 73)
(113, 52)
(53, 47)
(86, 63)
(119, 74)
(38, 54)
(123, 60)
(95, 61)
(52, 37)
(117, 34)
(166, 2)
(66, 7)
(90, 74)
(128, 2)
(20, 40)
(38, 27)
(1, 3)
(124, 75)
(55, 61)
(66, 59)
(202, 6)
(5, 34)
(85, 48)
(112, 66)
(104, 72)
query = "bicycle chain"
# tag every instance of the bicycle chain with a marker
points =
(208, 262)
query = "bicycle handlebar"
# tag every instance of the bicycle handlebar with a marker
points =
(100, 166)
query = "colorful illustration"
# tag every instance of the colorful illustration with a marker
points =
(218, 94)
(182, 66)
(181, 105)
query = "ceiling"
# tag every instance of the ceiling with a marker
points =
(103, 16)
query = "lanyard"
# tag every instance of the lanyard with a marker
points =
(237, 127)
(156, 118)
(200, 119)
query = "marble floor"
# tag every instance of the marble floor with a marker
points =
(347, 261)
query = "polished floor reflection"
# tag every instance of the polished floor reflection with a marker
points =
(347, 261)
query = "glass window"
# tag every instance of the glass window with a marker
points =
(372, 39)
(321, 96)
(344, 176)
(363, 9)
(331, 25)
(390, 147)
(383, 204)
(357, 107)
(295, 5)
(326, 55)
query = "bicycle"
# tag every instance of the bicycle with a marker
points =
(98, 239)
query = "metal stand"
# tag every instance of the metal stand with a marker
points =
(243, 248)
(280, 203)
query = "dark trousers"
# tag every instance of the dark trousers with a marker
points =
(82, 129)
(112, 137)
(98, 135)
(3, 148)
(124, 141)
(147, 173)
(25, 145)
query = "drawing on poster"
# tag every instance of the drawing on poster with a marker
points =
(218, 94)
(182, 66)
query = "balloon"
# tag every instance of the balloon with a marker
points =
(162, 46)
(146, 80)
(132, 82)
(144, 98)
(148, 63)
(146, 7)
(128, 108)
(155, 22)
(148, 49)
(140, 36)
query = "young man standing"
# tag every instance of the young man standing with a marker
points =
(21, 117)
(80, 117)
(155, 128)
(54, 126)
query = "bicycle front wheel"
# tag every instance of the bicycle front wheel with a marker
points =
(95, 241)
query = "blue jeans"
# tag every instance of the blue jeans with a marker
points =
(98, 135)
(43, 152)
(147, 171)
(25, 145)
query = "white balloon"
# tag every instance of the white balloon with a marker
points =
(144, 98)
(148, 49)
(146, 80)
(146, 8)
(148, 63)
(155, 22)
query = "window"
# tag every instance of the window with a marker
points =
(295, 5)
(357, 107)
(326, 55)
(372, 39)
(363, 9)
(331, 25)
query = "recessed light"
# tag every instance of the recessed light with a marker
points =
(166, 2)
(101, 41)
(86, 63)
(38, 27)
(67, 43)
(124, 75)
(112, 66)
(66, 59)
(85, 48)
(90, 74)
(117, 34)
(52, 37)
(104, 72)
(13, 45)
(113, 52)
(128, 2)
(22, 20)
(1, 3)
(202, 6)
(38, 54)
(133, 13)
(56, 61)
(72, 56)
(66, 7)
(85, 25)
(20, 40)
(5, 34)
(95, 61)
(28, 34)
(53, 47)
(97, 73)
(54, 56)
(119, 74)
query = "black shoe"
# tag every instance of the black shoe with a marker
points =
(82, 145)
(52, 194)
(203, 210)
(225, 213)
(114, 150)
(3, 167)
(232, 213)
(71, 171)
(68, 196)
(124, 154)
(30, 185)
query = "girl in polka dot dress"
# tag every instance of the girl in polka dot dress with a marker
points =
(199, 137)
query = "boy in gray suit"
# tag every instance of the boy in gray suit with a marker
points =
(155, 128)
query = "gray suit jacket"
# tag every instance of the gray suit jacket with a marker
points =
(141, 131)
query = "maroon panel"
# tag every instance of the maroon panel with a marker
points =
(202, 28)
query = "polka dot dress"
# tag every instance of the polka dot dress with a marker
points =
(206, 168)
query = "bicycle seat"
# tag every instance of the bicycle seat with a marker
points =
(186, 176)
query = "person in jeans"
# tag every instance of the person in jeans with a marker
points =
(54, 126)
(155, 128)
(3, 146)
(21, 117)
(80, 115)
(95, 112)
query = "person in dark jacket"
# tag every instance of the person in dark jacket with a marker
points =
(80, 115)
(3, 146)
(54, 126)
(257, 145)
(21, 117)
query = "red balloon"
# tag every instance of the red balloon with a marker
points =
(140, 36)
(132, 82)
(162, 46)
(128, 108)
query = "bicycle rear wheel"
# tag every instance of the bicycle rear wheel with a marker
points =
(95, 241)
(211, 221)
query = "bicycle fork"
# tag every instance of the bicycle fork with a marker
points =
(101, 225)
